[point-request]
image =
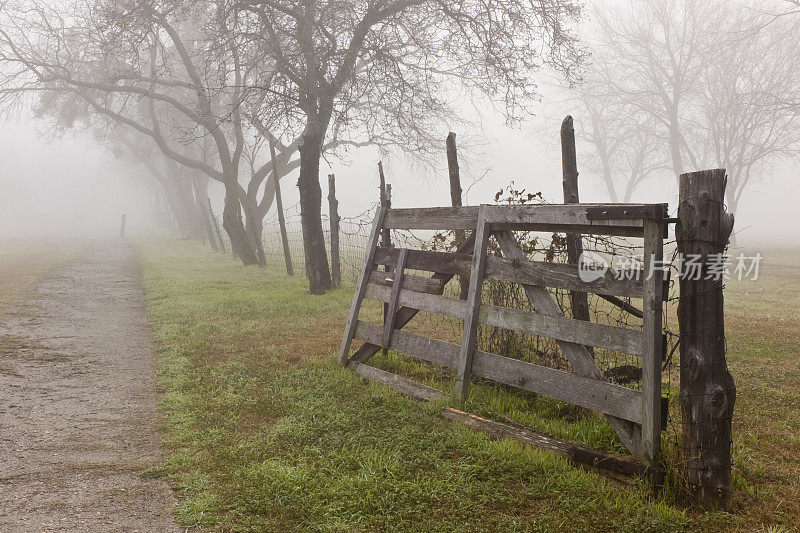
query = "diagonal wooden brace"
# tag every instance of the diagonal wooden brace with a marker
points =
(577, 354)
(391, 310)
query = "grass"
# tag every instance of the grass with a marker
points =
(265, 432)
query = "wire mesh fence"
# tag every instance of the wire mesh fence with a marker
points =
(620, 368)
(353, 235)
(547, 247)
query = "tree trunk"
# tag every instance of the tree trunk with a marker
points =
(178, 207)
(675, 147)
(234, 227)
(317, 270)
(287, 254)
(731, 204)
(254, 228)
(216, 226)
(201, 194)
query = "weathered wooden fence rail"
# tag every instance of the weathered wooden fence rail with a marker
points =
(636, 415)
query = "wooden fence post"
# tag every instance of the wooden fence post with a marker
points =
(652, 346)
(216, 225)
(707, 389)
(287, 256)
(386, 236)
(333, 213)
(386, 201)
(579, 301)
(455, 200)
(122, 227)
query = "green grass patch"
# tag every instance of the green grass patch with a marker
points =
(264, 432)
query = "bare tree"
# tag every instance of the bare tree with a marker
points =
(660, 50)
(748, 100)
(387, 67)
(624, 150)
(171, 73)
(712, 79)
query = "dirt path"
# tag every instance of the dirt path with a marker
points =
(77, 403)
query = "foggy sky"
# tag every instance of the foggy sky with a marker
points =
(72, 187)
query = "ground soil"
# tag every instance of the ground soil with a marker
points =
(79, 449)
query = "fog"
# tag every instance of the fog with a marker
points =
(172, 111)
(73, 188)
(68, 188)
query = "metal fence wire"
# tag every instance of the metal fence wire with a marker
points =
(623, 369)
(620, 368)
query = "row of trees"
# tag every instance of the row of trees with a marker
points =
(682, 85)
(199, 91)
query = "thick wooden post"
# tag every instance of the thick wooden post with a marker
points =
(455, 200)
(707, 389)
(579, 301)
(652, 346)
(122, 227)
(470, 332)
(287, 255)
(216, 225)
(453, 170)
(333, 215)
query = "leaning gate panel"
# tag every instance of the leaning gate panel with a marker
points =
(636, 415)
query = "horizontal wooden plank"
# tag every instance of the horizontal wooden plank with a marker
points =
(610, 228)
(559, 328)
(552, 217)
(413, 283)
(434, 218)
(559, 276)
(560, 214)
(564, 329)
(427, 260)
(540, 273)
(586, 392)
(404, 386)
(623, 468)
(434, 303)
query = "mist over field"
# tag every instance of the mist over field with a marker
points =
(68, 188)
(71, 188)
(227, 305)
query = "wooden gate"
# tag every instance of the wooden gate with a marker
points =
(636, 415)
